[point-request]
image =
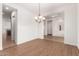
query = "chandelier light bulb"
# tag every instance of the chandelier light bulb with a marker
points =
(7, 8)
(40, 17)
(36, 18)
(43, 18)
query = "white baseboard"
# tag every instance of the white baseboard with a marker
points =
(77, 46)
(1, 48)
(70, 44)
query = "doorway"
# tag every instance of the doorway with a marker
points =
(9, 26)
(49, 28)
(54, 28)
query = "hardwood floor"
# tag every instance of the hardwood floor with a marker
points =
(54, 38)
(41, 47)
(7, 42)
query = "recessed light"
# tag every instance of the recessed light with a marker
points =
(7, 8)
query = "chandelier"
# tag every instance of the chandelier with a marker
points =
(39, 18)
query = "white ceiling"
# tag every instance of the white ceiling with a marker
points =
(7, 11)
(44, 7)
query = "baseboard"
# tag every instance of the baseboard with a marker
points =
(78, 47)
(70, 44)
(1, 49)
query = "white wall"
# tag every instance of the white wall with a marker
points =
(55, 28)
(45, 27)
(27, 28)
(0, 26)
(70, 25)
(70, 22)
(78, 26)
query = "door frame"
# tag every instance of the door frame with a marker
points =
(11, 26)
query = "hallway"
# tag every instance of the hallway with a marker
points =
(8, 42)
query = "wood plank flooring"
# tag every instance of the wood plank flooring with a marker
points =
(8, 42)
(41, 47)
(54, 38)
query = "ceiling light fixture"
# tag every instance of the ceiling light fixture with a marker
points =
(7, 8)
(39, 18)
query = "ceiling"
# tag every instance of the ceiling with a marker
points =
(7, 10)
(44, 7)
